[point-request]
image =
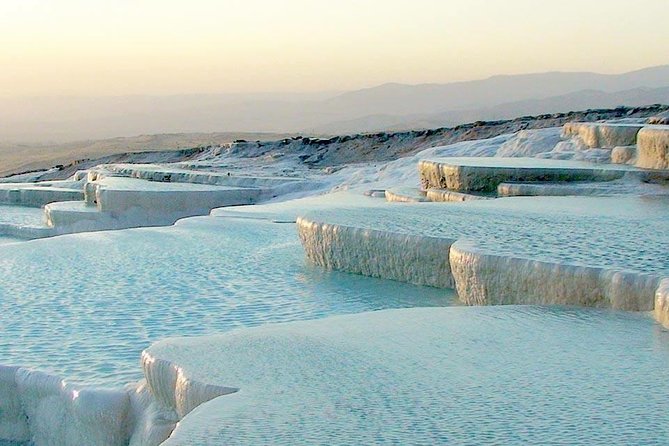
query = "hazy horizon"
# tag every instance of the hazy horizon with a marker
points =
(150, 47)
(287, 95)
(78, 70)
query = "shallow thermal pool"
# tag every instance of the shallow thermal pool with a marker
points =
(507, 375)
(629, 233)
(6, 239)
(21, 215)
(84, 306)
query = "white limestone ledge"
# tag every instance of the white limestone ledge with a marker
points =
(660, 118)
(383, 377)
(43, 409)
(421, 260)
(26, 232)
(468, 176)
(375, 193)
(623, 155)
(270, 186)
(72, 217)
(171, 386)
(118, 194)
(483, 278)
(119, 203)
(405, 195)
(171, 395)
(479, 276)
(653, 147)
(68, 217)
(602, 134)
(35, 196)
(445, 195)
(662, 303)
(633, 185)
(547, 189)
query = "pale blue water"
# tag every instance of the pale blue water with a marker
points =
(22, 215)
(446, 376)
(85, 306)
(6, 239)
(630, 233)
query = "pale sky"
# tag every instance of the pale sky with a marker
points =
(118, 47)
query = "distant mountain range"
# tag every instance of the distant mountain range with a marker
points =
(386, 107)
(399, 99)
(579, 100)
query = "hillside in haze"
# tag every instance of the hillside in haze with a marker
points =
(429, 98)
(388, 106)
(580, 100)
(288, 153)
(16, 157)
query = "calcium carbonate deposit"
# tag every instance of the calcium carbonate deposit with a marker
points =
(268, 293)
(599, 231)
(514, 375)
(132, 288)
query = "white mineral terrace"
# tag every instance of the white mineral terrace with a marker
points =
(484, 175)
(445, 195)
(453, 375)
(37, 195)
(513, 250)
(271, 186)
(115, 197)
(251, 329)
(653, 147)
(202, 276)
(603, 135)
(647, 146)
(119, 195)
(406, 195)
(624, 186)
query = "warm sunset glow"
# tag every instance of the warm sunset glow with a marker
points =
(78, 47)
